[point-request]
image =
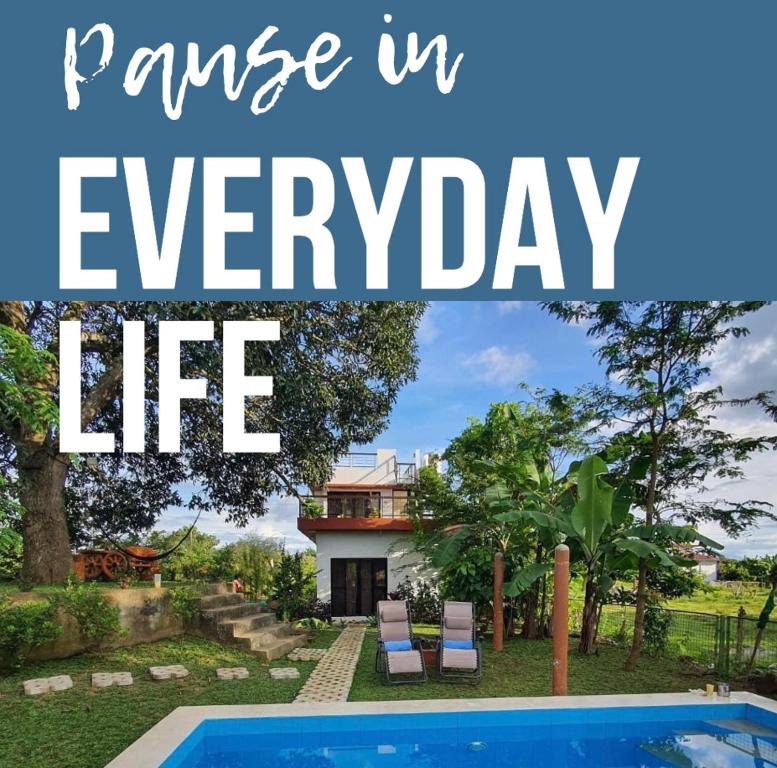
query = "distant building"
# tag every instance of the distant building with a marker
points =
(706, 566)
(364, 539)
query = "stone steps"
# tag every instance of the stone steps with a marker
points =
(220, 600)
(229, 619)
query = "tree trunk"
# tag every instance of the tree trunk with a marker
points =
(531, 622)
(590, 611)
(639, 609)
(47, 557)
(639, 617)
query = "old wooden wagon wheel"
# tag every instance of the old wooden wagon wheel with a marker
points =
(113, 563)
(93, 565)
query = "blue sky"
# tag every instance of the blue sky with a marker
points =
(473, 354)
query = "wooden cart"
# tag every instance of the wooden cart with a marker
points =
(110, 564)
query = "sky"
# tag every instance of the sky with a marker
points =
(473, 354)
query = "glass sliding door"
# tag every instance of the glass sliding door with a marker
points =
(357, 585)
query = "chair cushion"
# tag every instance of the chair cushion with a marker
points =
(455, 659)
(458, 622)
(398, 645)
(394, 630)
(393, 611)
(460, 645)
(404, 662)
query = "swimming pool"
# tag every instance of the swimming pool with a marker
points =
(674, 730)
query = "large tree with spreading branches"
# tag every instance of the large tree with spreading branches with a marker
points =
(662, 408)
(336, 371)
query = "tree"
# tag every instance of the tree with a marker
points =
(337, 370)
(592, 516)
(292, 584)
(256, 559)
(657, 354)
(524, 447)
(193, 560)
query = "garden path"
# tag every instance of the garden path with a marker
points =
(331, 679)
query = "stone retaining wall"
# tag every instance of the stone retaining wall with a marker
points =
(145, 614)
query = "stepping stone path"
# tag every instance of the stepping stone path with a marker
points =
(307, 654)
(107, 679)
(284, 673)
(168, 672)
(232, 673)
(46, 684)
(331, 679)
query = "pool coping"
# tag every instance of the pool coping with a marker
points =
(158, 743)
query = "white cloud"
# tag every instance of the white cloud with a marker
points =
(428, 329)
(743, 367)
(498, 365)
(508, 307)
(280, 522)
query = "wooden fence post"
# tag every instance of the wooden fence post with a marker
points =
(499, 618)
(560, 619)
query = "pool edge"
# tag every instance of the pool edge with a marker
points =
(158, 743)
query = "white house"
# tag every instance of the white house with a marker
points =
(706, 566)
(358, 522)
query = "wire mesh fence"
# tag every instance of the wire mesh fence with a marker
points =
(724, 643)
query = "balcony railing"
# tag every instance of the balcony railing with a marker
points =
(353, 506)
(402, 473)
(357, 461)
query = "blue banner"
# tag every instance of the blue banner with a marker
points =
(357, 149)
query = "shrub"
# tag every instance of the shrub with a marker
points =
(10, 554)
(292, 586)
(423, 600)
(317, 609)
(656, 628)
(311, 624)
(24, 626)
(184, 603)
(97, 618)
(255, 559)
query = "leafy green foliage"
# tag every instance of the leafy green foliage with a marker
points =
(292, 585)
(657, 624)
(24, 626)
(758, 569)
(423, 600)
(184, 603)
(337, 370)
(503, 476)
(663, 411)
(96, 616)
(256, 558)
(10, 554)
(195, 560)
(22, 367)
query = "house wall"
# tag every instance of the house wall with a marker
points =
(708, 570)
(383, 473)
(397, 548)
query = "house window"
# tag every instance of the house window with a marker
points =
(353, 505)
(357, 585)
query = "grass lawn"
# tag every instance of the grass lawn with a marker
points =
(81, 728)
(723, 600)
(523, 669)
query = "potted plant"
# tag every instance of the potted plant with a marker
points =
(429, 650)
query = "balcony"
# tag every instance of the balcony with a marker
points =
(353, 506)
(380, 468)
(343, 511)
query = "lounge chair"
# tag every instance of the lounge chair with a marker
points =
(399, 655)
(459, 653)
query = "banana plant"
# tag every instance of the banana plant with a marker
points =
(593, 518)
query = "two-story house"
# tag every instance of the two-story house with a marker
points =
(364, 539)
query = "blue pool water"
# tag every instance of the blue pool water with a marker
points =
(708, 736)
